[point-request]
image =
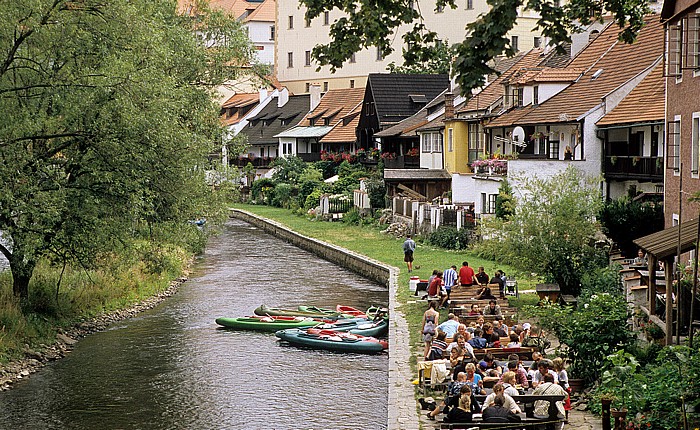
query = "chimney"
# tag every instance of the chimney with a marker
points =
(263, 94)
(449, 106)
(283, 97)
(315, 92)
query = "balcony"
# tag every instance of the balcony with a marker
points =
(256, 161)
(634, 167)
(402, 162)
(310, 156)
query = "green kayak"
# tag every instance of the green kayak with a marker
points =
(267, 323)
(303, 311)
(332, 340)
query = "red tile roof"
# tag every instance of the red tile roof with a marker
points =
(237, 101)
(544, 74)
(265, 12)
(344, 131)
(340, 101)
(644, 104)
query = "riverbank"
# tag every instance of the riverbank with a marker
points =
(36, 358)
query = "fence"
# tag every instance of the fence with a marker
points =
(425, 217)
(335, 204)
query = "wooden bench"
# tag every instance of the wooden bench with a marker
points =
(524, 352)
(528, 420)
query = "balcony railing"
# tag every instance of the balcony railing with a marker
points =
(402, 162)
(620, 166)
(257, 161)
(311, 156)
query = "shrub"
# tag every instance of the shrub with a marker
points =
(624, 220)
(376, 189)
(282, 195)
(313, 199)
(449, 238)
(352, 217)
(261, 189)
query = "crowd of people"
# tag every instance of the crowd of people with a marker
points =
(441, 283)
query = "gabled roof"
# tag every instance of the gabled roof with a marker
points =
(511, 117)
(544, 74)
(494, 90)
(344, 130)
(340, 101)
(405, 126)
(259, 132)
(234, 8)
(608, 64)
(644, 104)
(263, 13)
(393, 93)
(240, 100)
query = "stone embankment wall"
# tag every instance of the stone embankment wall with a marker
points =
(401, 400)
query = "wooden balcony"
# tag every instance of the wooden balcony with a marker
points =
(632, 167)
(402, 162)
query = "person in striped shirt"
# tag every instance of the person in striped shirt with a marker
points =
(449, 277)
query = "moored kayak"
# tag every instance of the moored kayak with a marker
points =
(306, 312)
(267, 323)
(360, 326)
(350, 311)
(332, 340)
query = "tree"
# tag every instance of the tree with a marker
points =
(371, 23)
(505, 203)
(107, 122)
(625, 220)
(552, 229)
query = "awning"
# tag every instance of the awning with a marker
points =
(664, 243)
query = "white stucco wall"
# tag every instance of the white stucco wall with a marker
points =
(467, 188)
(259, 34)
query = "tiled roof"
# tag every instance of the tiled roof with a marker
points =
(544, 74)
(609, 63)
(416, 174)
(344, 131)
(240, 100)
(511, 117)
(336, 103)
(391, 92)
(259, 131)
(554, 58)
(436, 124)
(494, 90)
(644, 104)
(263, 13)
(411, 123)
(235, 8)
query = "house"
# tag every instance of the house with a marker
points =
(682, 23)
(297, 37)
(391, 97)
(553, 113)
(336, 109)
(277, 116)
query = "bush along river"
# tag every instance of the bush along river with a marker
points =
(171, 367)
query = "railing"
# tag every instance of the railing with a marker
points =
(257, 161)
(402, 162)
(311, 156)
(632, 166)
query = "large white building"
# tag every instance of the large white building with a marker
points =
(296, 37)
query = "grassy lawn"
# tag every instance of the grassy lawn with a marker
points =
(371, 242)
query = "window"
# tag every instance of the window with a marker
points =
(426, 142)
(537, 42)
(554, 149)
(325, 87)
(326, 18)
(290, 59)
(307, 22)
(516, 96)
(272, 32)
(488, 203)
(291, 22)
(673, 66)
(695, 145)
(308, 87)
(437, 142)
(673, 160)
(380, 56)
(352, 83)
(307, 58)
(514, 42)
(352, 58)
(535, 95)
(691, 42)
(470, 4)
(450, 145)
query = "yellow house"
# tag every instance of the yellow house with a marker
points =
(456, 149)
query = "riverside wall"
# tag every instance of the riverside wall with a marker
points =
(402, 412)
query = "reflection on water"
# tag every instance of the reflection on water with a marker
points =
(172, 368)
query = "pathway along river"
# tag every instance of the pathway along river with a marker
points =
(171, 368)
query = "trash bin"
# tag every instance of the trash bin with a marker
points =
(413, 283)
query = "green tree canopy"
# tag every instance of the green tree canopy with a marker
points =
(371, 23)
(552, 231)
(107, 121)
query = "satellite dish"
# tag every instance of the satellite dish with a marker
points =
(518, 135)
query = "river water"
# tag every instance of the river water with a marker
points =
(172, 368)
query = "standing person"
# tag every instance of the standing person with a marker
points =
(449, 276)
(560, 369)
(428, 331)
(466, 275)
(408, 247)
(498, 280)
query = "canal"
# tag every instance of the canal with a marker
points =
(172, 368)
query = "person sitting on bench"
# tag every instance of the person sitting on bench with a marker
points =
(549, 388)
(497, 413)
(467, 406)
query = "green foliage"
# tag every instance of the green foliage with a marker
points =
(313, 199)
(450, 238)
(601, 280)
(369, 24)
(282, 195)
(108, 118)
(589, 333)
(552, 230)
(376, 189)
(426, 54)
(288, 169)
(327, 168)
(624, 220)
(261, 190)
(505, 203)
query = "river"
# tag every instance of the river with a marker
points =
(172, 368)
